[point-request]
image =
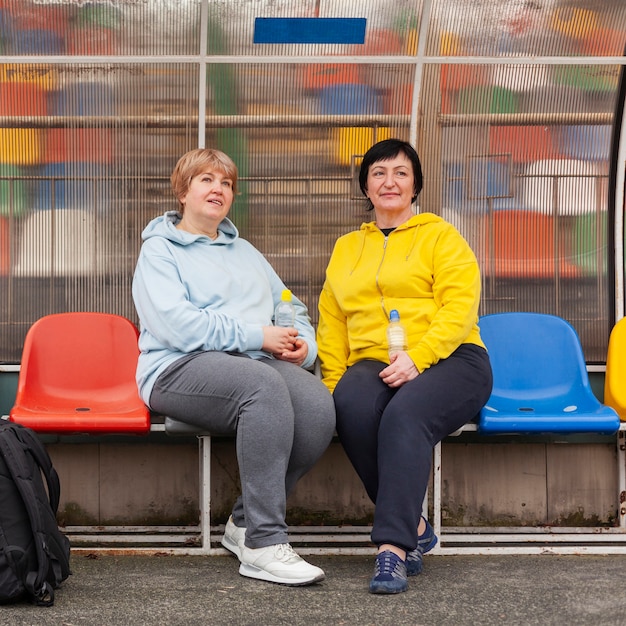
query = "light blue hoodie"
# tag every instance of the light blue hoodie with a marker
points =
(195, 294)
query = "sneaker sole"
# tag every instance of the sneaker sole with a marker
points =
(245, 569)
(231, 546)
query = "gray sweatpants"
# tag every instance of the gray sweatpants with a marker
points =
(282, 416)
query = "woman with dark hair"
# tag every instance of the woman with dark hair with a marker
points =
(392, 410)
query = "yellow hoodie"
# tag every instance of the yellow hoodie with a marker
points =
(424, 269)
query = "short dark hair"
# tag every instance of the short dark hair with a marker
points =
(386, 150)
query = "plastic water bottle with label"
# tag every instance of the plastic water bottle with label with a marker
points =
(285, 313)
(396, 334)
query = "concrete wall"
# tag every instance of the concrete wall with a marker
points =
(532, 484)
(156, 483)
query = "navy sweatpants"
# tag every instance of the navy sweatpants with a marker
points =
(389, 434)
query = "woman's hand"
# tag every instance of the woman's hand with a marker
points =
(284, 344)
(399, 371)
(297, 355)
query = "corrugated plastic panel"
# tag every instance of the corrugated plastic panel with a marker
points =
(509, 103)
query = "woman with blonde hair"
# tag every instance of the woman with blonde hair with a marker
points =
(210, 356)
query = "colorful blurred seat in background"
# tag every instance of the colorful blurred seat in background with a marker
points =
(352, 143)
(95, 29)
(491, 181)
(316, 76)
(91, 41)
(73, 185)
(63, 242)
(577, 23)
(44, 76)
(480, 184)
(521, 244)
(25, 15)
(98, 15)
(523, 143)
(21, 146)
(36, 41)
(349, 99)
(487, 99)
(455, 78)
(77, 158)
(586, 142)
(94, 145)
(5, 246)
(563, 187)
(83, 98)
(352, 99)
(89, 98)
(587, 78)
(13, 196)
(589, 243)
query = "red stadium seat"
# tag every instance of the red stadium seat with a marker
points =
(78, 376)
(523, 143)
(524, 247)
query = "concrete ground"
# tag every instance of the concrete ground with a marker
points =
(460, 590)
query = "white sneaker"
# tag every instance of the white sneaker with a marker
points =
(278, 564)
(234, 537)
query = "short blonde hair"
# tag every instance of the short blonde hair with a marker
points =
(197, 161)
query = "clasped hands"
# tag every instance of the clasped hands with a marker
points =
(284, 344)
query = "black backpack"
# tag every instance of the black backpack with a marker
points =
(34, 553)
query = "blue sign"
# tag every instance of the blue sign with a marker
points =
(343, 30)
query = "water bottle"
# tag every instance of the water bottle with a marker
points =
(396, 335)
(285, 313)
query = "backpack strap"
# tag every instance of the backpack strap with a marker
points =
(13, 449)
(41, 456)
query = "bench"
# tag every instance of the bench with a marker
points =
(75, 418)
(77, 376)
(541, 387)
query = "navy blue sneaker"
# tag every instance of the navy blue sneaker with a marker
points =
(389, 574)
(425, 542)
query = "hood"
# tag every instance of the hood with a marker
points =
(413, 223)
(165, 226)
(417, 220)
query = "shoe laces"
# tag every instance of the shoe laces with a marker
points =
(389, 564)
(284, 552)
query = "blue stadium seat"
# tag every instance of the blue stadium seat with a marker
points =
(73, 185)
(349, 100)
(471, 184)
(540, 379)
(83, 98)
(586, 142)
(36, 41)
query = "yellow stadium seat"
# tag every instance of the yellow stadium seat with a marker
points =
(352, 143)
(615, 377)
(20, 146)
